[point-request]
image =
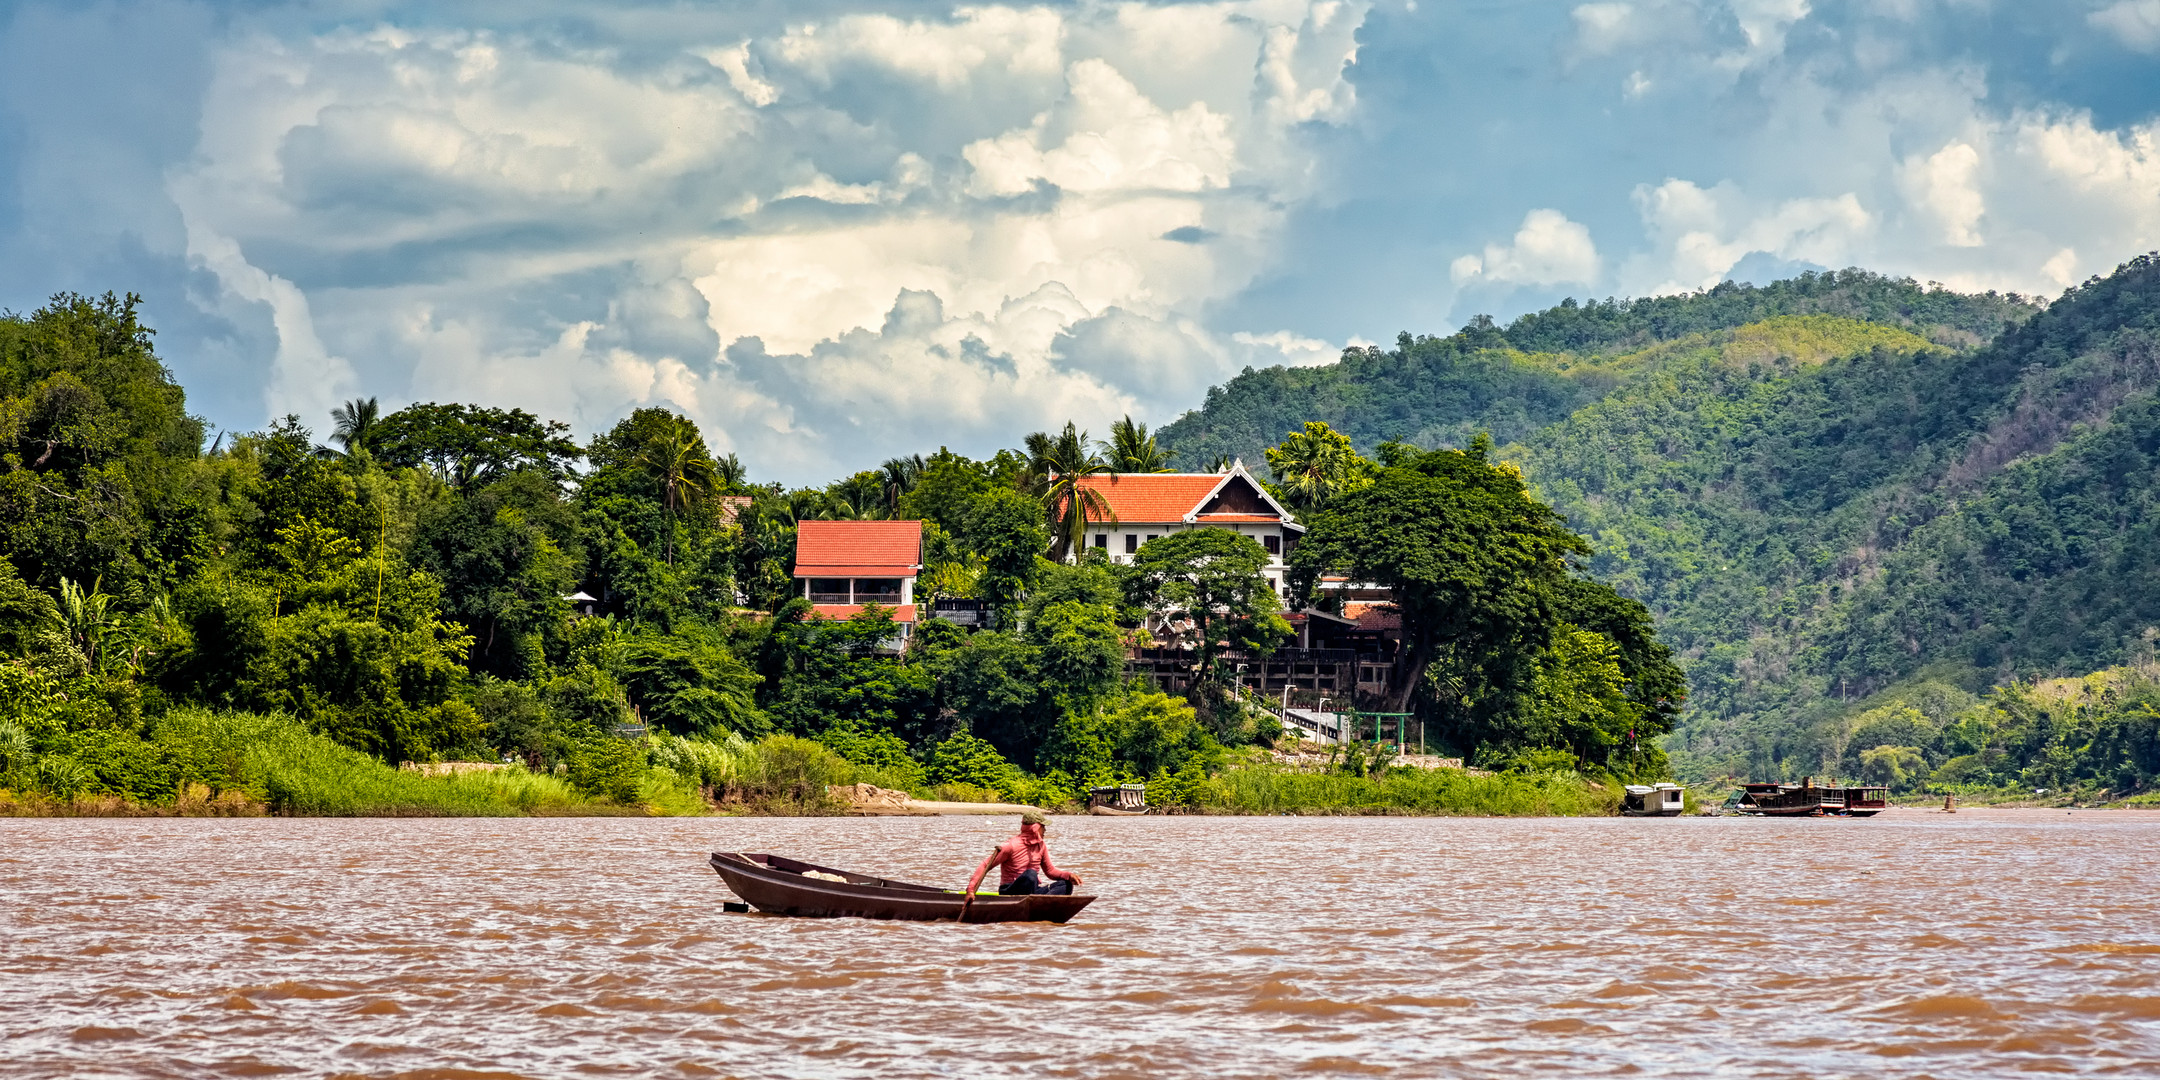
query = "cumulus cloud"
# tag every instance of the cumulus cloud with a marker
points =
(1941, 186)
(1701, 234)
(1547, 250)
(839, 231)
(836, 239)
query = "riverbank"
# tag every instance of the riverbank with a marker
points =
(195, 763)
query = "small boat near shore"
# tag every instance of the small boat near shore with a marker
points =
(1118, 800)
(1653, 800)
(777, 885)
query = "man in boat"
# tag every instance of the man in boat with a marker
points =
(1023, 862)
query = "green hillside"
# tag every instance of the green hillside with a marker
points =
(1830, 491)
(1512, 381)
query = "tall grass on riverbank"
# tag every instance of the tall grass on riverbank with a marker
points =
(1262, 789)
(193, 760)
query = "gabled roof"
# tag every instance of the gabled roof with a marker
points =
(1163, 498)
(858, 548)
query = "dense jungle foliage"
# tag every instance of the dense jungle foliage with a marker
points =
(275, 620)
(1837, 494)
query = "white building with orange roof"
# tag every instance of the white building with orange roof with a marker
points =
(844, 566)
(1148, 505)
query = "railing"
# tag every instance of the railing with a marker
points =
(831, 598)
(1279, 656)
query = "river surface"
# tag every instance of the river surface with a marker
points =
(1988, 943)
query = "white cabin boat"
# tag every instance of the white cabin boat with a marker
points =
(1654, 800)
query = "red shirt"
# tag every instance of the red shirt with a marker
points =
(1019, 855)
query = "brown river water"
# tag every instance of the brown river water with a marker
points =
(1989, 943)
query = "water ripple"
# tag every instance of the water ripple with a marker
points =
(1917, 944)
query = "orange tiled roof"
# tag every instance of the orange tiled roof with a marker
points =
(1153, 497)
(901, 613)
(858, 548)
(1374, 616)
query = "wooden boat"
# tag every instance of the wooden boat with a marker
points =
(777, 885)
(1782, 800)
(1118, 800)
(1805, 799)
(1866, 801)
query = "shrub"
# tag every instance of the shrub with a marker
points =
(607, 768)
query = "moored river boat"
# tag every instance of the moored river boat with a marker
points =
(1653, 800)
(1807, 799)
(778, 885)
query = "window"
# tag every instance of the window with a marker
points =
(1272, 543)
(1152, 536)
(1102, 541)
(877, 590)
(1132, 543)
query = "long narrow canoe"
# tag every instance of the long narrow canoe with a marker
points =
(775, 885)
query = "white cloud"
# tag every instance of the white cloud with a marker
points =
(1699, 234)
(1547, 250)
(304, 378)
(2136, 23)
(1113, 139)
(1942, 186)
(1289, 349)
(854, 237)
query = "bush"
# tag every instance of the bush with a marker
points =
(607, 768)
(964, 759)
(1271, 790)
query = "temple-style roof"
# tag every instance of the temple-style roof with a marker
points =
(1224, 498)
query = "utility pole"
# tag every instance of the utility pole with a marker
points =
(382, 530)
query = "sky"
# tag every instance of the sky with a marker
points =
(836, 232)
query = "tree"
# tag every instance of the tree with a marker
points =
(1474, 563)
(688, 682)
(1578, 701)
(1316, 464)
(467, 445)
(1006, 529)
(674, 456)
(860, 497)
(1057, 465)
(1132, 450)
(898, 476)
(355, 424)
(945, 490)
(506, 555)
(1207, 587)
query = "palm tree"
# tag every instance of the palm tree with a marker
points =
(676, 460)
(1132, 450)
(354, 424)
(860, 497)
(1314, 465)
(1056, 466)
(899, 475)
(730, 473)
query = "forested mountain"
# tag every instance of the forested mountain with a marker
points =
(1511, 381)
(1832, 491)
